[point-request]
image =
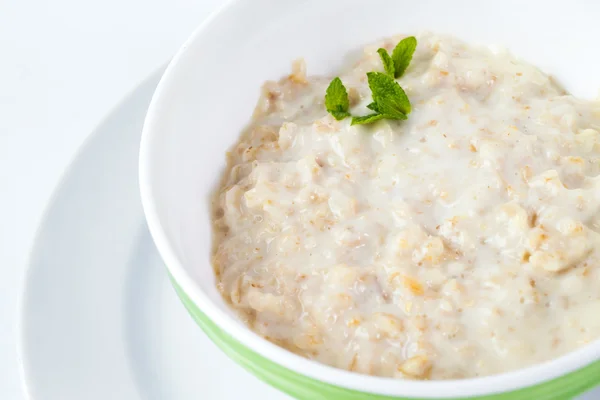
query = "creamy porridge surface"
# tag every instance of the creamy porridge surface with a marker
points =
(461, 242)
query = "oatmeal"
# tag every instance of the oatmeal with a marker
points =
(461, 242)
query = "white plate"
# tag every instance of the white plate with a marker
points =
(99, 317)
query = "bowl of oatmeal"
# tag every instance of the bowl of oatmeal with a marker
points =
(409, 210)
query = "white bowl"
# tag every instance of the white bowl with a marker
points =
(207, 96)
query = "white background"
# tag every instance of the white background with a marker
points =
(63, 65)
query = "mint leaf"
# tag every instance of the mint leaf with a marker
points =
(388, 63)
(336, 99)
(339, 115)
(373, 106)
(366, 119)
(390, 99)
(397, 116)
(402, 55)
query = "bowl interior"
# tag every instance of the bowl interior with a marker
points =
(208, 93)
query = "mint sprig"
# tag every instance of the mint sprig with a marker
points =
(336, 99)
(389, 99)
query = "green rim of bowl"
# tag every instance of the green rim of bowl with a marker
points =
(305, 388)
